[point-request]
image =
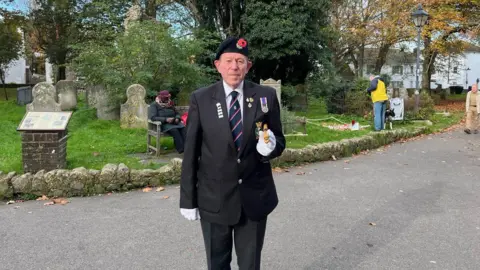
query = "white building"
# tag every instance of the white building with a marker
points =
(453, 70)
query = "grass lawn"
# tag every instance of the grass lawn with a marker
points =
(92, 142)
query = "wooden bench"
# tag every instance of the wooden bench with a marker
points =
(154, 131)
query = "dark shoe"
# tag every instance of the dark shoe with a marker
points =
(475, 131)
(467, 131)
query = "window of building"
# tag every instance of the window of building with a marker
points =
(455, 70)
(397, 70)
(412, 70)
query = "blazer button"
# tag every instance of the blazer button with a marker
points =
(238, 161)
(240, 181)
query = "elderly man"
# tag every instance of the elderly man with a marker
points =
(378, 93)
(233, 131)
(472, 107)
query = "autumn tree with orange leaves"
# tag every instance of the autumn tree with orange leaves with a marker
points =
(450, 23)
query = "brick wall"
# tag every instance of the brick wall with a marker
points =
(44, 150)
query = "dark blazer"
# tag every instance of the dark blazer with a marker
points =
(159, 113)
(217, 179)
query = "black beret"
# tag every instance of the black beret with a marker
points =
(233, 44)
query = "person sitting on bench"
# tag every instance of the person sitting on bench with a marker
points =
(163, 110)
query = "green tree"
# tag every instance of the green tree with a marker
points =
(55, 28)
(287, 38)
(11, 43)
(148, 55)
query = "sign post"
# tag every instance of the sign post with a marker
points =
(44, 140)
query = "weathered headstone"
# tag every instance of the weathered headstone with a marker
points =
(134, 14)
(403, 93)
(67, 95)
(92, 93)
(44, 99)
(277, 85)
(134, 113)
(98, 97)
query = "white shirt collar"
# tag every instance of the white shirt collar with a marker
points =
(229, 89)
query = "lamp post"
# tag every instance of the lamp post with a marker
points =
(419, 18)
(466, 77)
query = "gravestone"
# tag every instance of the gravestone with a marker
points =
(97, 97)
(67, 95)
(134, 113)
(24, 95)
(277, 85)
(44, 99)
(403, 93)
(91, 95)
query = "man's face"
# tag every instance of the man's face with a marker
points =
(372, 77)
(474, 88)
(233, 67)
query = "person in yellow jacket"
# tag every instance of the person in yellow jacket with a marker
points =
(472, 107)
(378, 93)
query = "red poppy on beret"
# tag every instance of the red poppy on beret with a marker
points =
(241, 43)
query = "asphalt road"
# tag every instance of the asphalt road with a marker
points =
(421, 197)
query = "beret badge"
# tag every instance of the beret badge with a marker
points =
(241, 43)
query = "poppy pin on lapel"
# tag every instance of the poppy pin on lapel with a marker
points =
(263, 102)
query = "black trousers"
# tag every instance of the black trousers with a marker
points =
(178, 135)
(248, 237)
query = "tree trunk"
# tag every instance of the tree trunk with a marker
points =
(381, 58)
(151, 9)
(361, 59)
(2, 79)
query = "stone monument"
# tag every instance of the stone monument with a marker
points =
(67, 95)
(44, 98)
(277, 85)
(134, 14)
(134, 113)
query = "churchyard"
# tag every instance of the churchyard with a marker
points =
(95, 142)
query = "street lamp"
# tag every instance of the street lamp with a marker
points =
(466, 76)
(419, 18)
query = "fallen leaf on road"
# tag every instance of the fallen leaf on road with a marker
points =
(10, 202)
(160, 189)
(433, 262)
(43, 198)
(369, 245)
(300, 173)
(16, 207)
(372, 224)
(61, 201)
(147, 189)
(108, 194)
(49, 203)
(277, 169)
(347, 161)
(19, 201)
(166, 197)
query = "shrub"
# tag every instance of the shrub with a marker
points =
(457, 89)
(358, 103)
(426, 107)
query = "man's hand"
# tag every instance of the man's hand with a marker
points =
(170, 120)
(190, 214)
(265, 149)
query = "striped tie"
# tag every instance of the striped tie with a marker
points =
(236, 120)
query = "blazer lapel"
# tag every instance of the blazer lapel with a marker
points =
(249, 113)
(219, 96)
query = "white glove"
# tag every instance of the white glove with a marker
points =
(190, 214)
(265, 149)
